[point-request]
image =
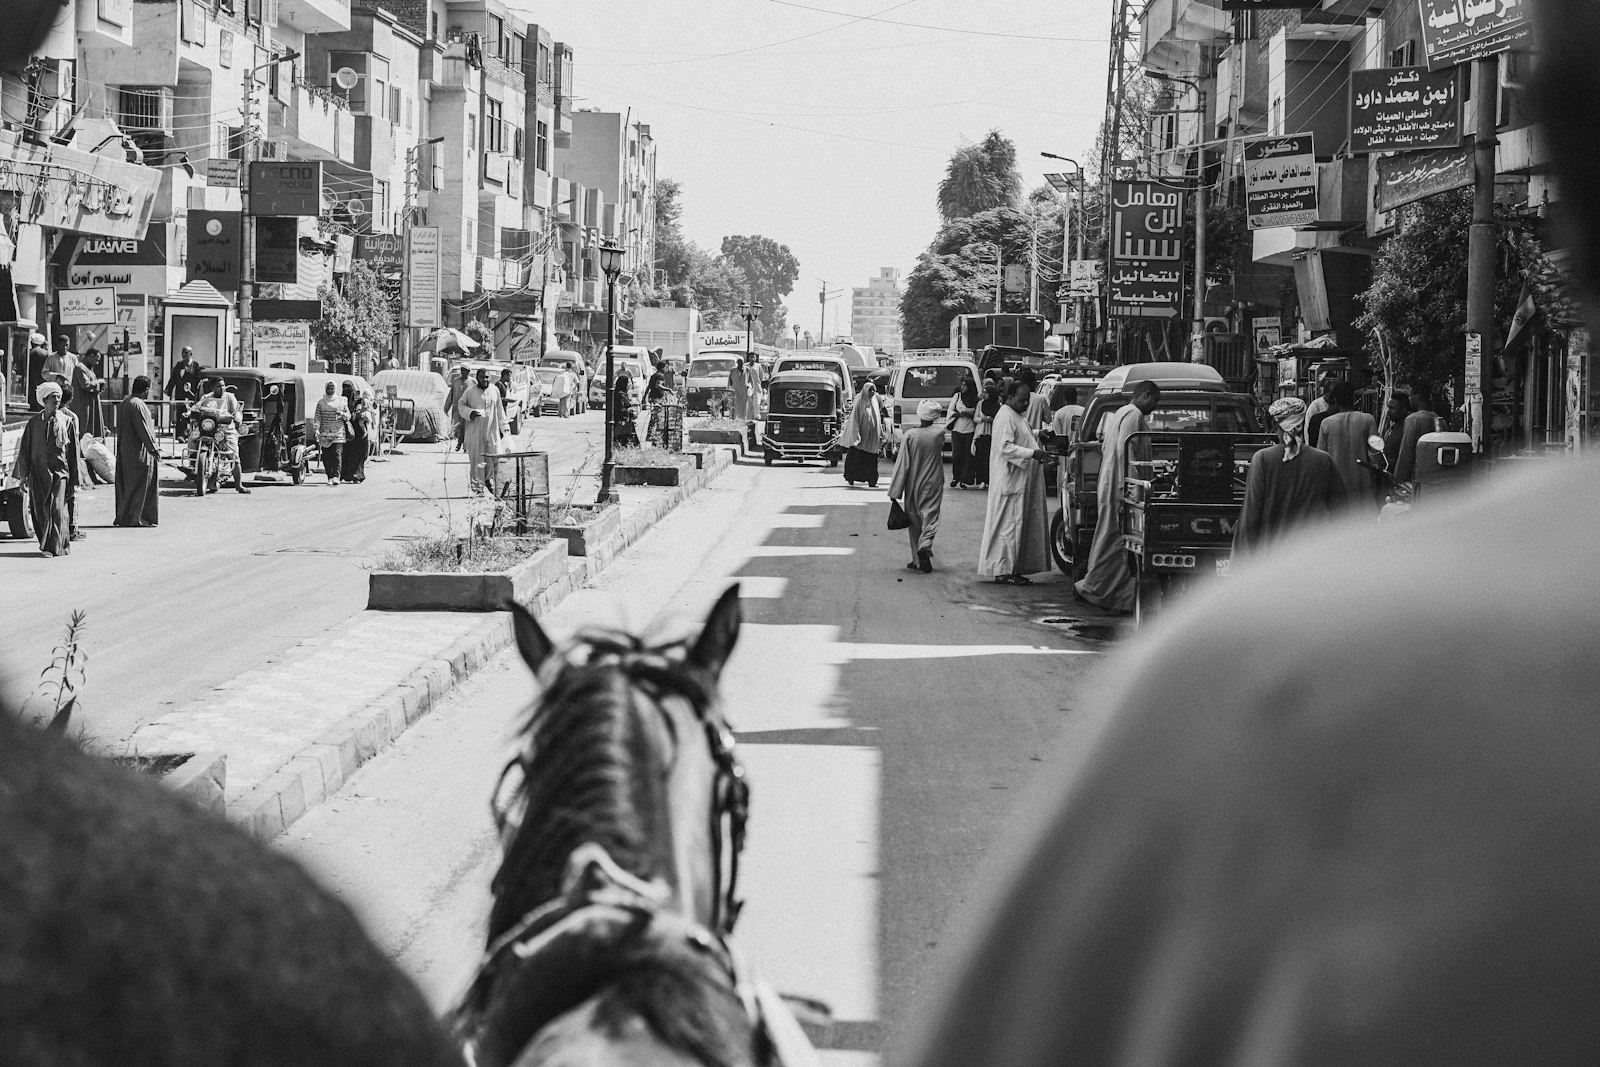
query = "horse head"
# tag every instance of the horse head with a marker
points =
(622, 818)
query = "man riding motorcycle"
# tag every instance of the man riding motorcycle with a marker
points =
(229, 413)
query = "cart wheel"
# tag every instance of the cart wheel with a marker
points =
(199, 478)
(1145, 593)
(18, 517)
(297, 473)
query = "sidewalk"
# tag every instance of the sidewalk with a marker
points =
(227, 583)
(294, 728)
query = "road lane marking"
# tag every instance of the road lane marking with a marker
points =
(762, 588)
(801, 550)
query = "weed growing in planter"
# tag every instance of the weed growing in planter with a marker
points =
(716, 424)
(68, 662)
(477, 545)
(648, 456)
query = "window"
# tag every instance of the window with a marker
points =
(380, 97)
(433, 25)
(516, 143)
(544, 72)
(497, 36)
(518, 44)
(394, 103)
(220, 149)
(541, 146)
(380, 205)
(493, 126)
(1404, 56)
(472, 129)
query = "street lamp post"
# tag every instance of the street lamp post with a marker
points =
(1077, 304)
(750, 312)
(610, 266)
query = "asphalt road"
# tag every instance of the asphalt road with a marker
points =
(892, 724)
(227, 581)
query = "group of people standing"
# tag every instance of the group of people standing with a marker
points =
(995, 444)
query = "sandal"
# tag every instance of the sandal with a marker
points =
(1013, 579)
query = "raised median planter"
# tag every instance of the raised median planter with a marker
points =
(199, 777)
(649, 466)
(585, 527)
(467, 590)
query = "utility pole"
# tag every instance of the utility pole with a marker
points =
(247, 268)
(1481, 244)
(999, 276)
(1197, 333)
(1033, 266)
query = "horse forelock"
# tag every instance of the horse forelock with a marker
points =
(593, 768)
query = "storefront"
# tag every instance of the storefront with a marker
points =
(143, 273)
(49, 196)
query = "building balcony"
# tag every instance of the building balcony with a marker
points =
(315, 16)
(316, 125)
(1173, 31)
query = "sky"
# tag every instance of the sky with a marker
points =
(826, 124)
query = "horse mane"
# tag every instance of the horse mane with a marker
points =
(137, 929)
(590, 769)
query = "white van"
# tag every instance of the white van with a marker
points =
(922, 379)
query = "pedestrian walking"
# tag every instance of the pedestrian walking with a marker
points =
(353, 462)
(1422, 420)
(64, 406)
(655, 392)
(862, 438)
(1344, 437)
(1108, 582)
(183, 389)
(332, 418)
(38, 353)
(389, 362)
(1290, 485)
(918, 482)
(1319, 408)
(458, 388)
(47, 463)
(738, 389)
(624, 419)
(1016, 526)
(983, 430)
(86, 387)
(59, 365)
(138, 481)
(483, 425)
(961, 415)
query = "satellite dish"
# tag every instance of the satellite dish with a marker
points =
(346, 77)
(356, 206)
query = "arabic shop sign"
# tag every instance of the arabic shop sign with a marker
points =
(1280, 181)
(1146, 250)
(1455, 31)
(1414, 176)
(216, 247)
(1400, 109)
(1263, 5)
(286, 189)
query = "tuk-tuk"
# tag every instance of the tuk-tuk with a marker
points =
(277, 435)
(805, 413)
(1180, 500)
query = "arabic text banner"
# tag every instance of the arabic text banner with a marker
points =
(1401, 109)
(1147, 227)
(1280, 181)
(1456, 31)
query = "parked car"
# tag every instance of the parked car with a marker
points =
(918, 380)
(545, 380)
(573, 361)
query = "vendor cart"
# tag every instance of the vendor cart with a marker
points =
(1181, 497)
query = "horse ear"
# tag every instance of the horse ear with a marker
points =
(534, 644)
(721, 632)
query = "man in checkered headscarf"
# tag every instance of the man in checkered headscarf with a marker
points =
(1290, 484)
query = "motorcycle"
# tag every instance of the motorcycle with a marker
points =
(210, 426)
(1396, 494)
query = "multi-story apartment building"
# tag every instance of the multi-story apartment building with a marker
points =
(875, 311)
(1285, 72)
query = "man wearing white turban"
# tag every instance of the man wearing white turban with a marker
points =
(918, 482)
(1289, 485)
(47, 463)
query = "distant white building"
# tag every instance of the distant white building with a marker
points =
(875, 312)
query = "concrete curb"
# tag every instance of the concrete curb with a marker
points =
(319, 769)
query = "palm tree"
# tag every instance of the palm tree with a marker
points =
(980, 177)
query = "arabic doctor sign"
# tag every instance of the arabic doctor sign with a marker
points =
(1456, 31)
(1399, 109)
(1280, 181)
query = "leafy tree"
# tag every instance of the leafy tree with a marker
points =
(1418, 297)
(479, 331)
(356, 321)
(956, 275)
(980, 177)
(770, 271)
(675, 255)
